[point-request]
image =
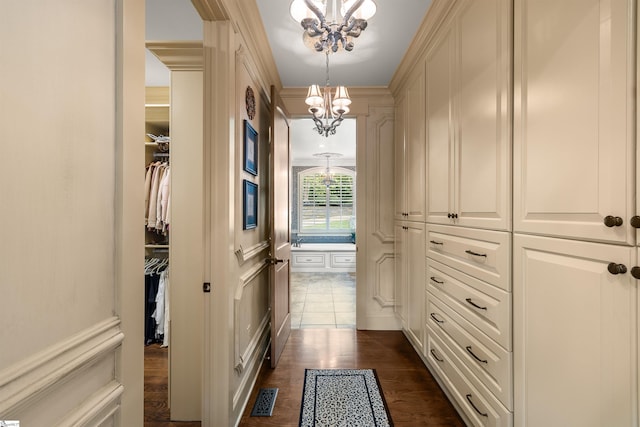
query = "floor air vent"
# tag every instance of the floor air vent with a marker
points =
(265, 402)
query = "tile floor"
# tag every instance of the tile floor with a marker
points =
(323, 300)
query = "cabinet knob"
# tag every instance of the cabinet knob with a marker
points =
(449, 215)
(635, 221)
(613, 221)
(635, 272)
(616, 268)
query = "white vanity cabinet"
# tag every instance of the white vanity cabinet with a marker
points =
(469, 118)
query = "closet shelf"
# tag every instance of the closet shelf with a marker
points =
(152, 246)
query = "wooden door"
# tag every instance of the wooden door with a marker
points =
(575, 334)
(280, 245)
(573, 118)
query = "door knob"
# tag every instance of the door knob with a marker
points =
(616, 268)
(635, 221)
(635, 272)
(613, 221)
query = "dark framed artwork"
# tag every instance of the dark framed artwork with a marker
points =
(250, 149)
(249, 205)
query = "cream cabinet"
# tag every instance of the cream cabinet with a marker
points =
(575, 333)
(573, 119)
(410, 279)
(469, 118)
(410, 150)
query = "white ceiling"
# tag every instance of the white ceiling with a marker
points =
(374, 59)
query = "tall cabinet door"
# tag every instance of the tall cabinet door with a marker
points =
(573, 118)
(575, 334)
(400, 285)
(439, 132)
(415, 146)
(415, 262)
(483, 115)
(399, 169)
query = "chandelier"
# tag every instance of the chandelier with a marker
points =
(331, 29)
(327, 176)
(327, 112)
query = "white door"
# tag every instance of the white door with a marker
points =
(575, 333)
(573, 118)
(280, 236)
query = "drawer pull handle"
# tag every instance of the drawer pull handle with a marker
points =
(635, 272)
(436, 243)
(435, 356)
(474, 355)
(439, 282)
(470, 252)
(434, 317)
(474, 406)
(470, 301)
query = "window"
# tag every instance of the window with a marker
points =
(326, 209)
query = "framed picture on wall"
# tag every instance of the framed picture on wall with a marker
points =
(249, 205)
(250, 149)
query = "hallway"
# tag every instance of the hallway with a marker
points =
(412, 395)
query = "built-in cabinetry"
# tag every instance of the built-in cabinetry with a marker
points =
(575, 300)
(463, 279)
(410, 268)
(469, 117)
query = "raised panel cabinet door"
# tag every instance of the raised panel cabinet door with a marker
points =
(415, 146)
(483, 115)
(416, 281)
(575, 333)
(400, 212)
(573, 118)
(439, 132)
(400, 285)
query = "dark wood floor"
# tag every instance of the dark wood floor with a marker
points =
(412, 395)
(156, 409)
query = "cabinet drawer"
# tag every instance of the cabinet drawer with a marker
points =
(343, 260)
(490, 363)
(308, 259)
(480, 253)
(479, 405)
(484, 305)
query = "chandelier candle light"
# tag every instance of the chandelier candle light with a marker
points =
(329, 29)
(327, 113)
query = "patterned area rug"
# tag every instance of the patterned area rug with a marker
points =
(343, 398)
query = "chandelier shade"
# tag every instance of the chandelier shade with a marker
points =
(327, 111)
(328, 27)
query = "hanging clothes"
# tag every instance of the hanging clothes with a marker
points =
(156, 298)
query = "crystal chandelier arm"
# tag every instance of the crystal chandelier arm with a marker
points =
(347, 16)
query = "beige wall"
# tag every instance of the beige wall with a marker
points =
(68, 241)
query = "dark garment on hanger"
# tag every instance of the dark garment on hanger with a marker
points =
(151, 282)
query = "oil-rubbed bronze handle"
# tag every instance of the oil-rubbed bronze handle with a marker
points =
(635, 221)
(435, 279)
(616, 268)
(474, 355)
(475, 253)
(470, 301)
(435, 356)
(635, 272)
(436, 243)
(612, 221)
(474, 406)
(433, 316)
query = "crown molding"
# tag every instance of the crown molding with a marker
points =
(211, 10)
(178, 55)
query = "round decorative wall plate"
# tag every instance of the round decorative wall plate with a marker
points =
(250, 103)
